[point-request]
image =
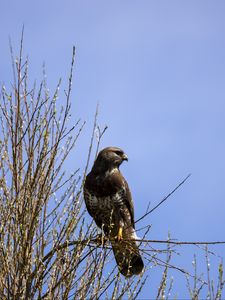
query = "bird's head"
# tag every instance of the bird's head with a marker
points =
(109, 158)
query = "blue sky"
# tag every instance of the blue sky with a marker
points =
(157, 69)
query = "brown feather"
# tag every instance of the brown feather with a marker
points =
(109, 202)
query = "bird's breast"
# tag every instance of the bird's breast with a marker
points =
(106, 203)
(101, 203)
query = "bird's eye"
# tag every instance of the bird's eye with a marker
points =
(119, 152)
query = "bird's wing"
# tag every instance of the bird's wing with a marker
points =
(128, 201)
(121, 187)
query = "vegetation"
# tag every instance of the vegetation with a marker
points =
(47, 249)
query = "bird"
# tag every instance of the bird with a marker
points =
(109, 202)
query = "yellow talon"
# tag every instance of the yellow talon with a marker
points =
(120, 234)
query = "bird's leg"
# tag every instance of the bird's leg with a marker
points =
(120, 231)
(120, 234)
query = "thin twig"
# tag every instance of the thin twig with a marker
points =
(164, 199)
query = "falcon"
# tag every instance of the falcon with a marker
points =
(108, 200)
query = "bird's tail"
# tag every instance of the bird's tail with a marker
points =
(127, 254)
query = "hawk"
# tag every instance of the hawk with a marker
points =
(109, 202)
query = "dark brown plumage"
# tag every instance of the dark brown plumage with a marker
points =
(109, 202)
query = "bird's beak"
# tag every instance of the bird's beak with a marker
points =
(125, 157)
